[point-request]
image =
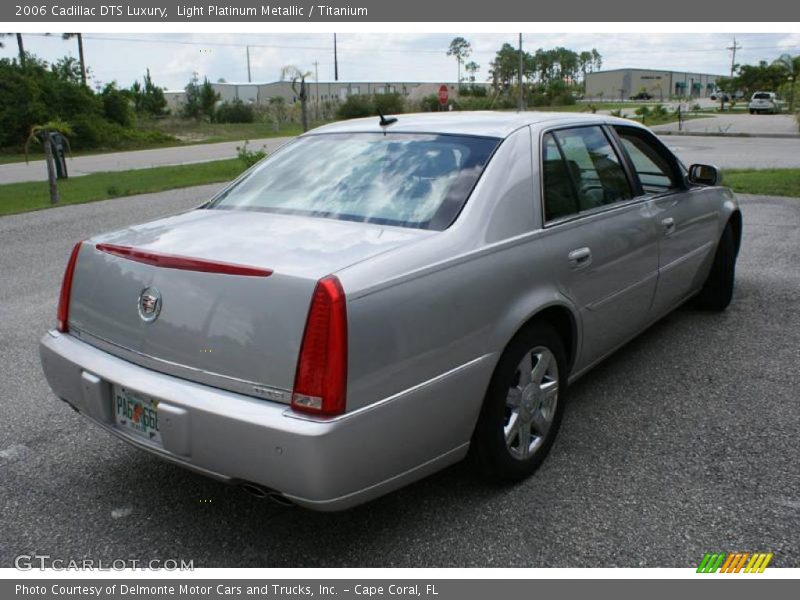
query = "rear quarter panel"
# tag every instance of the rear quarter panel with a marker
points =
(450, 300)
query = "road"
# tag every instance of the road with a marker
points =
(139, 159)
(737, 152)
(726, 153)
(685, 441)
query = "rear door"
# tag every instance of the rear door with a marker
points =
(600, 238)
(686, 218)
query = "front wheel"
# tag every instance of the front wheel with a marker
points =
(718, 289)
(522, 410)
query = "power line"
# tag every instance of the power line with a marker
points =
(373, 49)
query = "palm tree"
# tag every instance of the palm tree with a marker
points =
(792, 67)
(41, 134)
(69, 36)
(20, 45)
(295, 75)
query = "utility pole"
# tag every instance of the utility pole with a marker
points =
(249, 80)
(335, 60)
(735, 47)
(316, 79)
(521, 104)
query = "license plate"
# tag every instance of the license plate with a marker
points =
(136, 413)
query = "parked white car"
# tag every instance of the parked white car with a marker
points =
(765, 102)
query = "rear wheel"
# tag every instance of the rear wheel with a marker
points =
(718, 289)
(522, 410)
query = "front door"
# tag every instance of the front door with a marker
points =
(686, 218)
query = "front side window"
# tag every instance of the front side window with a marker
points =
(581, 172)
(654, 168)
(406, 180)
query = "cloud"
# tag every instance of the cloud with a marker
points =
(172, 58)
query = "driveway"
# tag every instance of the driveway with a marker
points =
(739, 124)
(684, 442)
(139, 159)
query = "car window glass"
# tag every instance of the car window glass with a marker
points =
(652, 167)
(559, 197)
(405, 180)
(598, 176)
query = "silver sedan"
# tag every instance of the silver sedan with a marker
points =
(380, 298)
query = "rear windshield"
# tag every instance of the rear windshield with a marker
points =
(407, 180)
(762, 96)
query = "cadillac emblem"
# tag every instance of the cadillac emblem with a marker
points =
(149, 304)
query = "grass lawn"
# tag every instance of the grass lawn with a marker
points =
(771, 182)
(23, 197)
(200, 132)
(186, 133)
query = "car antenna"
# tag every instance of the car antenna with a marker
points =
(384, 122)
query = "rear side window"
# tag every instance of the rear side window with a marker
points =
(581, 171)
(406, 180)
(656, 171)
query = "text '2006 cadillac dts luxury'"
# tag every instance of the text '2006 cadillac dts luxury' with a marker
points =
(377, 299)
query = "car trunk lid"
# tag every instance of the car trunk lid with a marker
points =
(232, 289)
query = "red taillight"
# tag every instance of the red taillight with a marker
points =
(62, 315)
(320, 383)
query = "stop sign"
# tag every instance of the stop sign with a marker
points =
(443, 95)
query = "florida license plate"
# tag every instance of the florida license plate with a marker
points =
(136, 413)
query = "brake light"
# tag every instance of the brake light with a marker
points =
(62, 315)
(320, 382)
(183, 263)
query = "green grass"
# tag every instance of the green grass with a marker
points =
(200, 132)
(186, 132)
(23, 197)
(770, 182)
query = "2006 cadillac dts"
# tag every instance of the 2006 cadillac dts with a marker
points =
(379, 297)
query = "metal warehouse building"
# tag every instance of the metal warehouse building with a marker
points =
(621, 84)
(322, 91)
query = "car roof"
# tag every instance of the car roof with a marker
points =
(479, 123)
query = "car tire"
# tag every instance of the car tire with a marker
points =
(752, 112)
(521, 414)
(717, 290)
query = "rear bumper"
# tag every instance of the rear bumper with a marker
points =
(320, 464)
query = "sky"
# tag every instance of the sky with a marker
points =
(172, 58)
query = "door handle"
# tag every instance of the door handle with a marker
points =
(580, 258)
(668, 225)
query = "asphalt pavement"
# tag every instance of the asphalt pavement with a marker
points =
(137, 159)
(746, 124)
(684, 442)
(737, 152)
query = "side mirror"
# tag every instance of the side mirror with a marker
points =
(704, 175)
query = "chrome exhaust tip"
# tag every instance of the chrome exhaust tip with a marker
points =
(261, 492)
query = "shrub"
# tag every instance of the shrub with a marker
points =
(250, 157)
(389, 104)
(234, 112)
(355, 107)
(116, 105)
(95, 132)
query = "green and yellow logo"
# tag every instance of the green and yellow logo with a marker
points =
(736, 562)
